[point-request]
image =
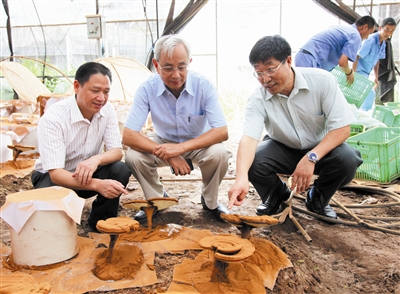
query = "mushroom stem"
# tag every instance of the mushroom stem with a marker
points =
(245, 231)
(219, 274)
(113, 240)
(149, 210)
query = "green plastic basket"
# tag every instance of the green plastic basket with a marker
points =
(393, 104)
(356, 129)
(389, 115)
(380, 151)
(356, 92)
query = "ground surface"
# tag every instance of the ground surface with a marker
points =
(340, 258)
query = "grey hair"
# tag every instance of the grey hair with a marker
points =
(168, 43)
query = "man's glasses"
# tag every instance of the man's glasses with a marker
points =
(269, 72)
(170, 69)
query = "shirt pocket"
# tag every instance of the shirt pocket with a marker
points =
(195, 124)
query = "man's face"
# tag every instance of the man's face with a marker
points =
(365, 31)
(277, 76)
(386, 32)
(92, 95)
(178, 62)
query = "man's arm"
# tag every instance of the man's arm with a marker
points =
(137, 141)
(82, 179)
(344, 65)
(244, 159)
(305, 168)
(170, 150)
(376, 72)
(355, 64)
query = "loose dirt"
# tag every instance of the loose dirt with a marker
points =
(340, 258)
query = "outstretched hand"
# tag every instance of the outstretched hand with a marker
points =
(237, 193)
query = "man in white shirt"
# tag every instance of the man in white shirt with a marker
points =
(72, 135)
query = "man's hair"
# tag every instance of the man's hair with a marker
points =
(366, 20)
(168, 43)
(389, 21)
(86, 70)
(270, 47)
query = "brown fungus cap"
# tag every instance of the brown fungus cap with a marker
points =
(228, 248)
(117, 225)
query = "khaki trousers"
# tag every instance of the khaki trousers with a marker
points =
(212, 161)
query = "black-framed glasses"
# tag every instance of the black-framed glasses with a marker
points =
(269, 72)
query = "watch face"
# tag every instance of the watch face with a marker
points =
(312, 156)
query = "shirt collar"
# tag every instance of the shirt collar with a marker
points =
(76, 114)
(161, 88)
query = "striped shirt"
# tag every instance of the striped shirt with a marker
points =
(66, 138)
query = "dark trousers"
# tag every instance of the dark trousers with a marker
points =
(334, 170)
(102, 207)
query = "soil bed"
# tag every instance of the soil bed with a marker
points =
(340, 258)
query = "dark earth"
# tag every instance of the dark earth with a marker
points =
(339, 259)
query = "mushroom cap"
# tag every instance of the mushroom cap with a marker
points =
(117, 225)
(159, 202)
(22, 148)
(253, 221)
(259, 221)
(163, 203)
(229, 248)
(135, 204)
(233, 219)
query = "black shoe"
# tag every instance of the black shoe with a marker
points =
(316, 206)
(272, 204)
(141, 215)
(217, 211)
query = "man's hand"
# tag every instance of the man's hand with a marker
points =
(109, 188)
(350, 78)
(237, 193)
(168, 150)
(302, 175)
(180, 165)
(84, 170)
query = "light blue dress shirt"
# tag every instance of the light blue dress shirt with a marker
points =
(328, 45)
(193, 113)
(370, 53)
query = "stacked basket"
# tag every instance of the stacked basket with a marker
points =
(379, 147)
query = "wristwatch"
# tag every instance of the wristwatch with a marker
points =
(312, 156)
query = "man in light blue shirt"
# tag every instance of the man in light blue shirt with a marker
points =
(336, 46)
(189, 126)
(373, 49)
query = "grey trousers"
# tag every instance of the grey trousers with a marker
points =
(212, 161)
(334, 170)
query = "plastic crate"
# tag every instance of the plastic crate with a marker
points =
(389, 115)
(356, 92)
(380, 151)
(393, 104)
(356, 129)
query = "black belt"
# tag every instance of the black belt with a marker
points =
(305, 51)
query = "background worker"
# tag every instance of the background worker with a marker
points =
(71, 135)
(188, 121)
(373, 49)
(336, 46)
(307, 121)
